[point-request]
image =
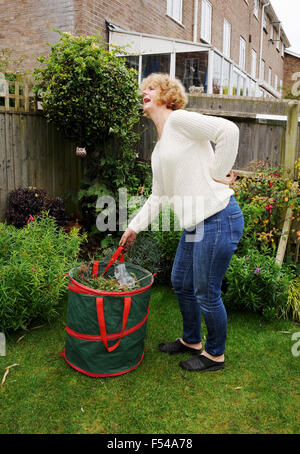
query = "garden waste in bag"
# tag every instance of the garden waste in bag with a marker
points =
(105, 329)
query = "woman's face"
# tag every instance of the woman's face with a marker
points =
(149, 95)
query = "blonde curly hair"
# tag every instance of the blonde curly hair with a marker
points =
(171, 92)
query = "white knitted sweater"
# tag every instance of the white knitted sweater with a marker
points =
(184, 165)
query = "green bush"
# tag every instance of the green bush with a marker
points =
(32, 263)
(87, 90)
(146, 253)
(256, 283)
(264, 198)
(92, 96)
(168, 240)
(155, 248)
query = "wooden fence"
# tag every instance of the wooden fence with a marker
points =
(17, 96)
(34, 153)
(269, 130)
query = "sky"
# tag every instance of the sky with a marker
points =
(288, 12)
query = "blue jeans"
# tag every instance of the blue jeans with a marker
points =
(201, 261)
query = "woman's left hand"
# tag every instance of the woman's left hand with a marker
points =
(229, 179)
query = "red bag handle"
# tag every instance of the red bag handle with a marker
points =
(101, 321)
(114, 258)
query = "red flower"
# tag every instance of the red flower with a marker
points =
(30, 219)
(268, 207)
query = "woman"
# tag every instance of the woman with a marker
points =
(196, 180)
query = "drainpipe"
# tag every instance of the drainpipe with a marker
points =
(261, 37)
(195, 25)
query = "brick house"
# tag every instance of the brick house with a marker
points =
(217, 46)
(291, 75)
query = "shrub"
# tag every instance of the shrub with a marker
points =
(255, 282)
(26, 202)
(33, 260)
(87, 90)
(91, 95)
(264, 199)
(156, 247)
(293, 303)
(146, 253)
(168, 239)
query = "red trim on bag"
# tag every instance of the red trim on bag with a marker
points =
(91, 374)
(101, 321)
(95, 269)
(80, 288)
(97, 337)
(114, 258)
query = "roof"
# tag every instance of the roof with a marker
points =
(290, 52)
(275, 20)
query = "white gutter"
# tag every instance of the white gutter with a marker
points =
(164, 38)
(195, 25)
(261, 37)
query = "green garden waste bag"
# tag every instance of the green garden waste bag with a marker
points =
(105, 330)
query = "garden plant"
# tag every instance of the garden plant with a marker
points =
(91, 95)
(33, 261)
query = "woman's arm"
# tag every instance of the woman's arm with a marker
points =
(149, 212)
(222, 132)
(229, 179)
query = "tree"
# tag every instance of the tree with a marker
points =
(87, 91)
(90, 94)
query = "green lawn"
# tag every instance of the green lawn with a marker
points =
(257, 392)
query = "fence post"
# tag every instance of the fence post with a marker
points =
(291, 140)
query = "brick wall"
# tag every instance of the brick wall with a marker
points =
(244, 23)
(25, 26)
(272, 56)
(145, 16)
(291, 66)
(236, 12)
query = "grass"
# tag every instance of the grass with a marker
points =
(257, 392)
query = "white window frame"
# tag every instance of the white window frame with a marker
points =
(256, 8)
(174, 10)
(270, 76)
(242, 60)
(253, 62)
(206, 19)
(226, 38)
(276, 82)
(282, 49)
(271, 32)
(265, 20)
(278, 39)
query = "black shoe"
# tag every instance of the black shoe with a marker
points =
(177, 347)
(201, 363)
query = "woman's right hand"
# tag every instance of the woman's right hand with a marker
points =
(229, 179)
(127, 238)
